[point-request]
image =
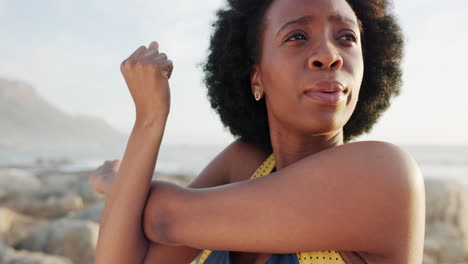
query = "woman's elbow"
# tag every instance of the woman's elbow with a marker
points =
(159, 215)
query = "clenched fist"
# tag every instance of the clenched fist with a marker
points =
(103, 177)
(146, 73)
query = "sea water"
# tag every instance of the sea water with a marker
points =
(434, 161)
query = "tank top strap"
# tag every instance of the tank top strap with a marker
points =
(266, 168)
(204, 255)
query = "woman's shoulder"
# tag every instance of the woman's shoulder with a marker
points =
(244, 159)
(398, 174)
(235, 163)
(375, 156)
(383, 153)
(373, 144)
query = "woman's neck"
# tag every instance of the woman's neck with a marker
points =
(289, 148)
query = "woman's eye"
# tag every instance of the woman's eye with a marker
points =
(349, 38)
(296, 37)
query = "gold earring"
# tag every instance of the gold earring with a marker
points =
(258, 95)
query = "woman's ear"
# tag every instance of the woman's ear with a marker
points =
(256, 80)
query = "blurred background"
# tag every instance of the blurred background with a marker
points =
(65, 55)
(65, 108)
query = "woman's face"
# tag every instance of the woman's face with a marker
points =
(311, 66)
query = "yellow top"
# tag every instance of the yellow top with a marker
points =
(325, 257)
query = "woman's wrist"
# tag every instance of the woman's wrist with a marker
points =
(151, 121)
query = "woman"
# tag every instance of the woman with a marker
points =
(286, 77)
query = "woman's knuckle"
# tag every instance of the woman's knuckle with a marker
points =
(148, 66)
(154, 66)
(138, 64)
(130, 64)
(170, 65)
(124, 65)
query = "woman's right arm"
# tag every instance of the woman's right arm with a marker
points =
(238, 156)
(121, 234)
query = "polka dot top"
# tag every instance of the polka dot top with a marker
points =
(318, 257)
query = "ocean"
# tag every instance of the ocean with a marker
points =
(441, 161)
(434, 161)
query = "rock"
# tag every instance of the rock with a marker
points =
(76, 183)
(3, 252)
(431, 248)
(46, 205)
(87, 192)
(16, 182)
(58, 182)
(14, 227)
(49, 194)
(91, 213)
(48, 162)
(444, 243)
(74, 239)
(179, 179)
(446, 201)
(11, 256)
(428, 260)
(446, 220)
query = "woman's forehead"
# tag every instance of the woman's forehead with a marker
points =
(284, 11)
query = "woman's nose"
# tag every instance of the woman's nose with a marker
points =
(325, 57)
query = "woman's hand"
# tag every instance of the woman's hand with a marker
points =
(146, 73)
(103, 177)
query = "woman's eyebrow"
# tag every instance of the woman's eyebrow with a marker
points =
(342, 19)
(308, 19)
(301, 20)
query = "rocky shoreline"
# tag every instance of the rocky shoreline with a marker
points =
(52, 217)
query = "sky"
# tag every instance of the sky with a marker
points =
(71, 50)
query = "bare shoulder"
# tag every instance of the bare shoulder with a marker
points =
(373, 146)
(399, 176)
(244, 160)
(235, 163)
(384, 165)
(386, 157)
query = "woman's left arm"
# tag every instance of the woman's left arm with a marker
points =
(366, 196)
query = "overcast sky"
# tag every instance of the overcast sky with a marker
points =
(71, 51)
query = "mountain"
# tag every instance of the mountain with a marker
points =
(29, 123)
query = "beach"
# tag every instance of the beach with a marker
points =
(49, 213)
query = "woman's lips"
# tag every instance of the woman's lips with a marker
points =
(331, 98)
(327, 92)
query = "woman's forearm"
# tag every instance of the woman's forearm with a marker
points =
(121, 234)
